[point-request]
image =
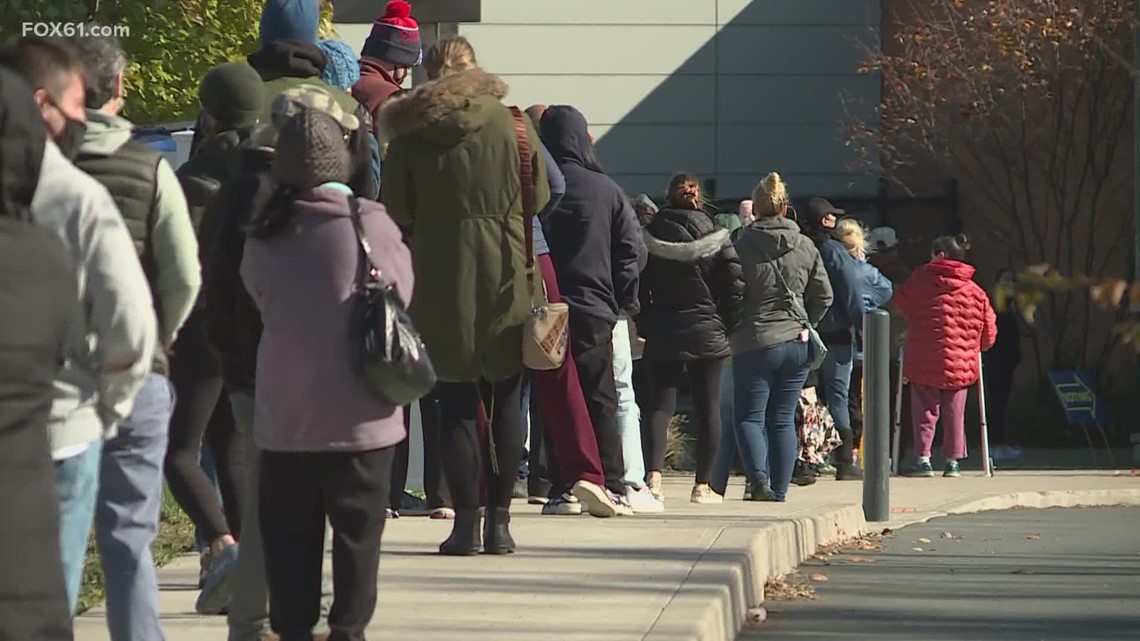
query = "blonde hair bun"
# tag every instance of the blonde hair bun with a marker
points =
(448, 56)
(770, 197)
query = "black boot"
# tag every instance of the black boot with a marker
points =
(848, 472)
(464, 539)
(496, 531)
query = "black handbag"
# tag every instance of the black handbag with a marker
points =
(388, 354)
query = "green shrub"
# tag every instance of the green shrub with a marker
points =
(171, 43)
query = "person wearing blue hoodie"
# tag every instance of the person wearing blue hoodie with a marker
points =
(597, 249)
(876, 290)
(289, 56)
(838, 327)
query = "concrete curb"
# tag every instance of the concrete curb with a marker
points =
(1031, 500)
(710, 605)
(729, 577)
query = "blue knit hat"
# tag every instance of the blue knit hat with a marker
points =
(342, 69)
(290, 20)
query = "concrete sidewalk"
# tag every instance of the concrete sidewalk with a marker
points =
(685, 575)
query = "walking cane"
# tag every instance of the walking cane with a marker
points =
(896, 437)
(987, 462)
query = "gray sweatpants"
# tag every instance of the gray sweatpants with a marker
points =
(249, 594)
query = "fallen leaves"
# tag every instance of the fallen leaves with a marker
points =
(859, 559)
(948, 535)
(1033, 537)
(818, 578)
(788, 588)
(924, 540)
(919, 549)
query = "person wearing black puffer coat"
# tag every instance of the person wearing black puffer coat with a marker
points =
(692, 291)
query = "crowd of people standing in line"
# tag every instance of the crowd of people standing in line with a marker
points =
(149, 310)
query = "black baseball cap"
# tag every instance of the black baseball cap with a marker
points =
(818, 209)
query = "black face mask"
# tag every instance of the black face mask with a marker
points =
(71, 138)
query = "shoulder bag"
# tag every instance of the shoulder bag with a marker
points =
(389, 357)
(817, 350)
(546, 333)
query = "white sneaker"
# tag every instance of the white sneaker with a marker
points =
(643, 502)
(705, 495)
(565, 505)
(595, 499)
(621, 504)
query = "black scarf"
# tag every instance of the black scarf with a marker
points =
(288, 59)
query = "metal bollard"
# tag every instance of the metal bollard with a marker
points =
(877, 415)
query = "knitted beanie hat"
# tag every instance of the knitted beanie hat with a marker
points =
(233, 94)
(342, 69)
(311, 151)
(395, 37)
(290, 20)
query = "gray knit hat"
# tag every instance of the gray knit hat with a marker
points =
(311, 150)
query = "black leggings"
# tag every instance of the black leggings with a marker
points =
(466, 452)
(704, 382)
(435, 485)
(202, 411)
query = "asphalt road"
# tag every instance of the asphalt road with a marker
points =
(1021, 575)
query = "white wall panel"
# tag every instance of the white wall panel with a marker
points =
(578, 50)
(728, 89)
(798, 12)
(632, 12)
(746, 99)
(630, 100)
(665, 149)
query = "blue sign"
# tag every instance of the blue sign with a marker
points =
(1075, 391)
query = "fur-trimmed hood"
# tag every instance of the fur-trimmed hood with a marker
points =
(449, 107)
(686, 252)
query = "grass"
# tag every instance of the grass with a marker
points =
(677, 443)
(175, 537)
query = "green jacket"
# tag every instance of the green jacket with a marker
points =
(451, 177)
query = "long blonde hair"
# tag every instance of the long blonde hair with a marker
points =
(448, 56)
(853, 235)
(770, 197)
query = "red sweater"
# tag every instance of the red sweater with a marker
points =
(950, 322)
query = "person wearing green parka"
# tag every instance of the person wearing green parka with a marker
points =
(451, 178)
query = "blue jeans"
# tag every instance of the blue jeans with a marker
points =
(767, 387)
(628, 413)
(77, 485)
(835, 379)
(726, 450)
(128, 510)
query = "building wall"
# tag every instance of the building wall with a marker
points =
(727, 89)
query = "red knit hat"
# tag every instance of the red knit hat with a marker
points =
(395, 36)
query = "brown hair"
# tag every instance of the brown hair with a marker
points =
(770, 197)
(680, 180)
(448, 56)
(43, 63)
